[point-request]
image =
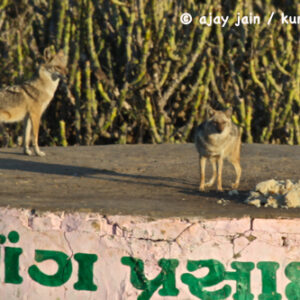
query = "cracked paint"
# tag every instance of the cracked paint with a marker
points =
(101, 243)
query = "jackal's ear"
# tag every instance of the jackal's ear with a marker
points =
(61, 52)
(47, 53)
(228, 112)
(209, 112)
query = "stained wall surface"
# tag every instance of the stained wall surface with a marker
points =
(91, 256)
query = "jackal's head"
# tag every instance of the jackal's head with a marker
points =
(55, 63)
(218, 120)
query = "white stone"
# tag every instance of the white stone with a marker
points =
(292, 198)
(268, 186)
(272, 193)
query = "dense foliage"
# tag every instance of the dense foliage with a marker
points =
(139, 75)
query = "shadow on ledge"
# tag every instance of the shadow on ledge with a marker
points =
(87, 172)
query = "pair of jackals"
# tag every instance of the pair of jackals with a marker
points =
(216, 138)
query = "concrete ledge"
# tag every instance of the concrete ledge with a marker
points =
(159, 181)
(90, 256)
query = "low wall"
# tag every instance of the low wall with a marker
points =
(91, 256)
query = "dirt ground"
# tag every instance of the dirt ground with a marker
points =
(152, 180)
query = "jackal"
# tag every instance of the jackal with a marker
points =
(218, 138)
(29, 100)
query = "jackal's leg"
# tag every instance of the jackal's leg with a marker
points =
(27, 135)
(214, 175)
(5, 116)
(202, 163)
(220, 169)
(35, 119)
(5, 135)
(238, 171)
(234, 158)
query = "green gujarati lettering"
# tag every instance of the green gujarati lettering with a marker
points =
(85, 271)
(60, 277)
(166, 278)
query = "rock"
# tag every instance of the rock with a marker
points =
(273, 193)
(289, 184)
(223, 202)
(292, 198)
(266, 187)
(272, 202)
(254, 197)
(233, 193)
(255, 202)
